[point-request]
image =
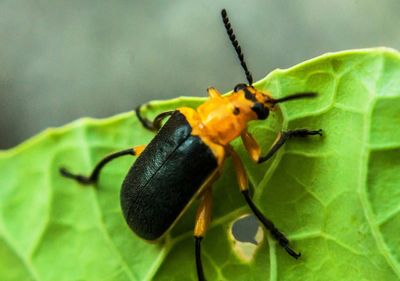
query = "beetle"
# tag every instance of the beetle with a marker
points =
(187, 154)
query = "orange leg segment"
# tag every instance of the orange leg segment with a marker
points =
(251, 146)
(203, 218)
(214, 93)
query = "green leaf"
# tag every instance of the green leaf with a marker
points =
(337, 197)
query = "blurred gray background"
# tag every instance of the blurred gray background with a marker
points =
(62, 60)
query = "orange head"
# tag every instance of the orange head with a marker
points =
(262, 102)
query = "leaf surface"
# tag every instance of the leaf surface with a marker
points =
(337, 197)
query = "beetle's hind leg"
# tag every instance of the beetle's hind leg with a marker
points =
(94, 176)
(243, 184)
(203, 218)
(154, 125)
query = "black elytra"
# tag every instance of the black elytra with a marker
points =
(172, 168)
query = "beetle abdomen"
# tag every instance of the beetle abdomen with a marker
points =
(164, 178)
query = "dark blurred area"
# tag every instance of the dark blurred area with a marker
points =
(62, 60)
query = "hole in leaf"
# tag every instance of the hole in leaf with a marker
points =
(247, 235)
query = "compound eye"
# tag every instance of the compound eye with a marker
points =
(239, 87)
(260, 110)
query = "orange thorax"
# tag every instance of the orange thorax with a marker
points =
(220, 119)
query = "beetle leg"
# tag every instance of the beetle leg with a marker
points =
(251, 145)
(243, 185)
(203, 218)
(283, 137)
(254, 150)
(154, 125)
(92, 179)
(214, 93)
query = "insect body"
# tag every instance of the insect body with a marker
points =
(165, 178)
(186, 156)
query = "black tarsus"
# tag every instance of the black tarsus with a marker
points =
(280, 237)
(199, 266)
(154, 125)
(236, 45)
(284, 136)
(94, 176)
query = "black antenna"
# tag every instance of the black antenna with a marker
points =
(235, 44)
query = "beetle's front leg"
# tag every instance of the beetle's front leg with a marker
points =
(154, 125)
(254, 149)
(203, 218)
(244, 188)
